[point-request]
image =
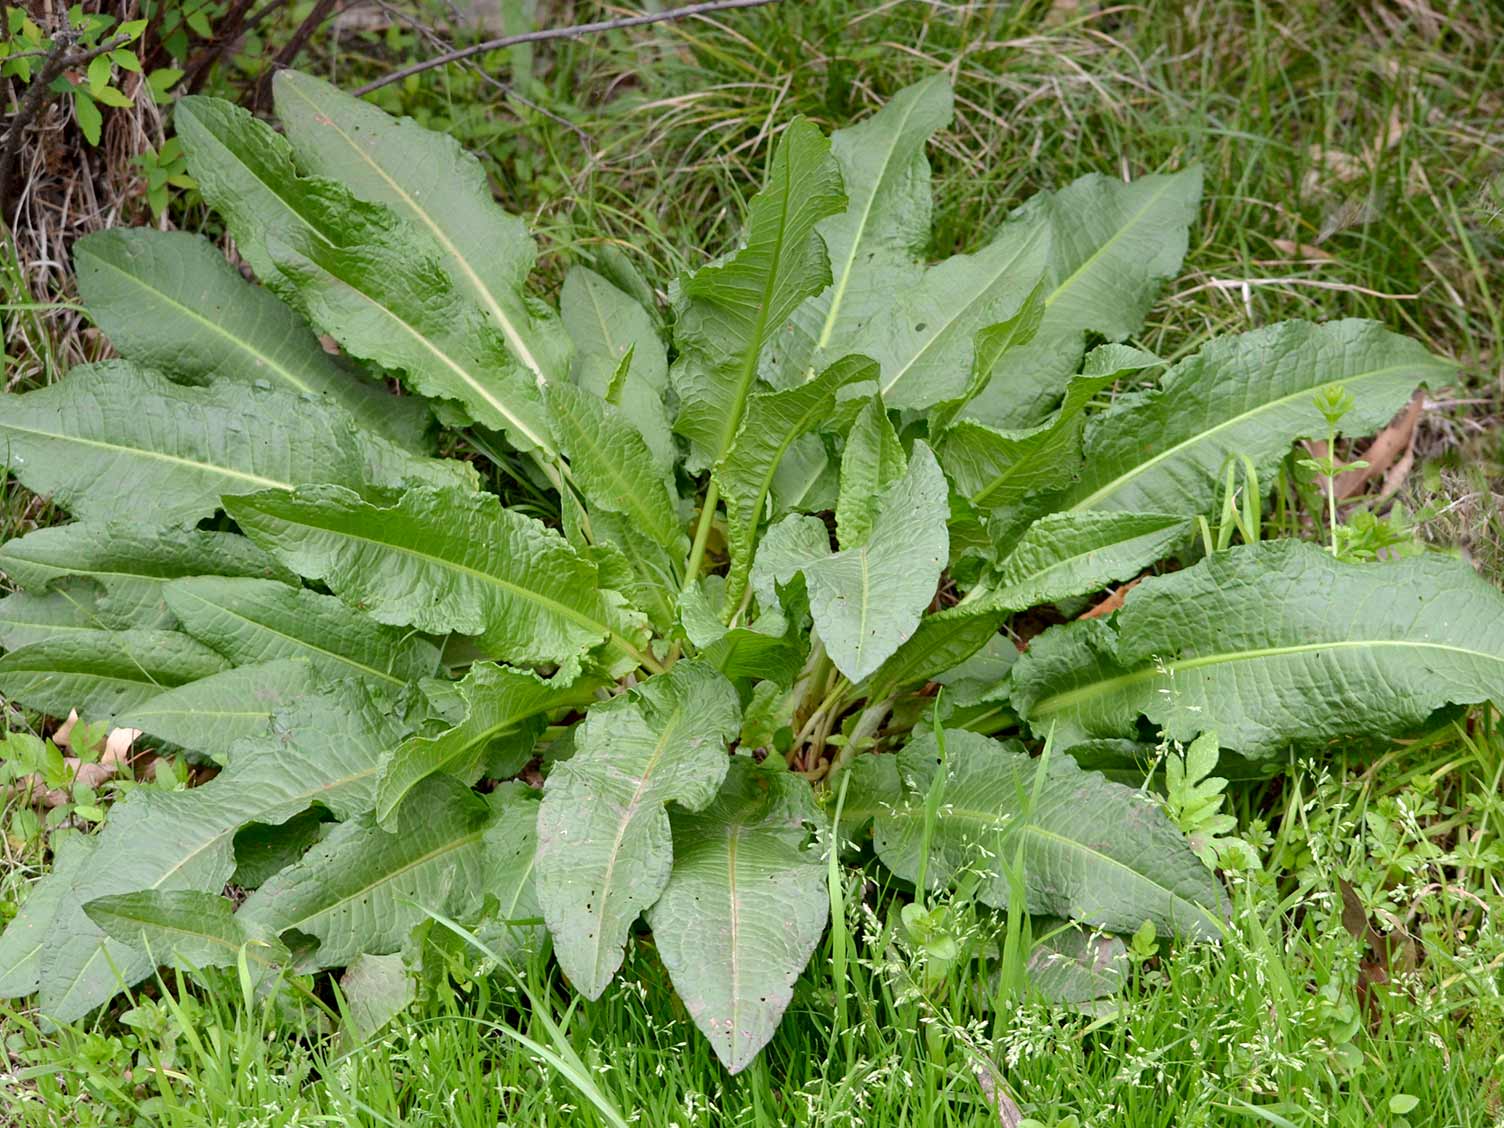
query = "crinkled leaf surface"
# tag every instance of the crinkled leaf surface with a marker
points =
(604, 844)
(497, 704)
(1111, 245)
(1067, 554)
(876, 243)
(362, 889)
(1275, 645)
(611, 464)
(103, 673)
(130, 562)
(327, 750)
(728, 311)
(430, 181)
(744, 908)
(773, 421)
(187, 928)
(1091, 850)
(867, 600)
(872, 461)
(113, 437)
(439, 560)
(211, 714)
(251, 621)
(360, 273)
(1245, 396)
(169, 300)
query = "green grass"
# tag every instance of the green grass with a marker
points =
(1268, 1027)
(1354, 158)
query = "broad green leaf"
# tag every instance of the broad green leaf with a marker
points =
(263, 851)
(328, 750)
(1068, 554)
(25, 938)
(362, 889)
(786, 549)
(925, 341)
(376, 989)
(112, 439)
(251, 621)
(367, 278)
(940, 642)
(1076, 966)
(439, 560)
(515, 928)
(211, 714)
(604, 843)
(130, 562)
(1090, 850)
(244, 169)
(1111, 245)
(430, 181)
(871, 462)
(1275, 645)
(773, 420)
(649, 576)
(185, 928)
(990, 345)
(103, 673)
(867, 600)
(606, 326)
(25, 618)
(1060, 556)
(169, 300)
(767, 651)
(995, 468)
(877, 242)
(744, 908)
(611, 464)
(1245, 396)
(728, 311)
(498, 704)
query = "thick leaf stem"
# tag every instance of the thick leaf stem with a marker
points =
(702, 535)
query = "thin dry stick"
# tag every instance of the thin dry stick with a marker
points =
(561, 33)
(322, 10)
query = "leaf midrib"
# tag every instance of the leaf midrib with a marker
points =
(514, 339)
(1107, 685)
(838, 292)
(235, 613)
(1123, 479)
(328, 908)
(994, 820)
(628, 814)
(209, 325)
(1120, 233)
(982, 292)
(538, 598)
(223, 471)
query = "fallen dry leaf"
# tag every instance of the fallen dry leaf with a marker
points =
(1112, 603)
(1391, 447)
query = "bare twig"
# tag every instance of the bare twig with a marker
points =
(322, 10)
(59, 59)
(571, 32)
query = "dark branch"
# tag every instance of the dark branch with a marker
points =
(59, 59)
(561, 33)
